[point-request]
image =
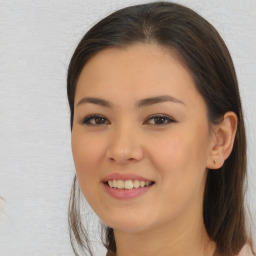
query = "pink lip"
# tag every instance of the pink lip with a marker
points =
(124, 176)
(125, 194)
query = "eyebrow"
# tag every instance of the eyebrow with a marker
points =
(158, 99)
(140, 103)
(96, 101)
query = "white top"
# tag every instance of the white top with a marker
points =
(246, 251)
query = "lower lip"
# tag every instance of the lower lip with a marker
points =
(126, 193)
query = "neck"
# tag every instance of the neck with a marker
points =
(183, 238)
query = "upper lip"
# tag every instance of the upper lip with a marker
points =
(124, 176)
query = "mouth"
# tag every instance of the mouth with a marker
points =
(128, 184)
(123, 186)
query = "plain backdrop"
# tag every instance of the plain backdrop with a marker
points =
(37, 39)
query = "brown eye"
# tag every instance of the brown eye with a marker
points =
(95, 120)
(159, 120)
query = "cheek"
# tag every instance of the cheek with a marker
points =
(180, 159)
(170, 153)
(180, 165)
(87, 152)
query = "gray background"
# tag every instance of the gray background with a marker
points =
(37, 39)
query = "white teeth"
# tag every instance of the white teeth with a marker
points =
(120, 184)
(142, 183)
(128, 184)
(136, 183)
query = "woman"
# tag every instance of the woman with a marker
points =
(158, 137)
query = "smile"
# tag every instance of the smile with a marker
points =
(128, 184)
(125, 186)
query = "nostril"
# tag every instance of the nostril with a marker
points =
(124, 155)
(123, 160)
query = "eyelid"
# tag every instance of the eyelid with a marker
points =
(169, 118)
(85, 120)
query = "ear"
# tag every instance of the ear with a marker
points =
(222, 141)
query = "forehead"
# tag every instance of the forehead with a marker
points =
(137, 71)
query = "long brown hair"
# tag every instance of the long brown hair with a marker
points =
(205, 54)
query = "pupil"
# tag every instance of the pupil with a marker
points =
(159, 120)
(99, 120)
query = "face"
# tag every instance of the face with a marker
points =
(140, 138)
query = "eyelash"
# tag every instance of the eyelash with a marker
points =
(162, 117)
(86, 120)
(167, 119)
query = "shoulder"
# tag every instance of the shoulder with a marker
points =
(246, 251)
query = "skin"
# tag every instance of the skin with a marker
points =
(175, 155)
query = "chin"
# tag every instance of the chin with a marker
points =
(126, 223)
(127, 228)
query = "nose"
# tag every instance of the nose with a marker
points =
(125, 146)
